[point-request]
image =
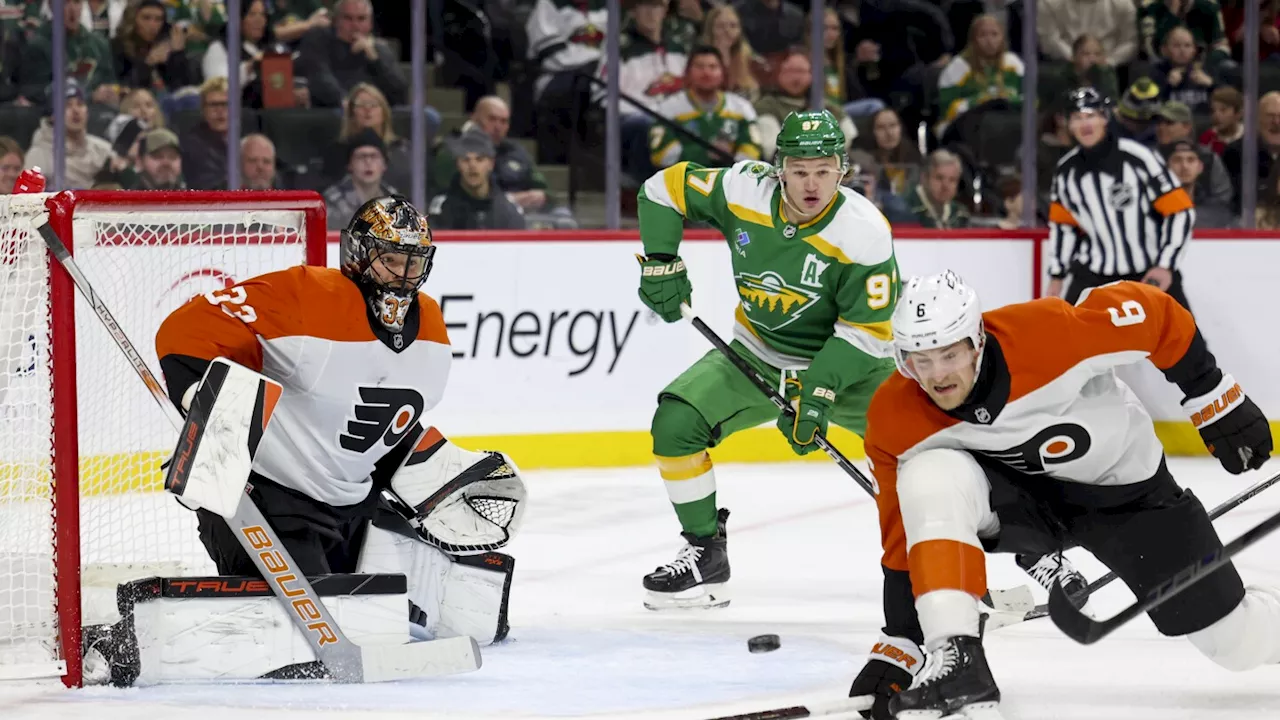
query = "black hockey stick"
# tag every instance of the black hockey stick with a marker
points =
(844, 706)
(346, 661)
(1086, 631)
(776, 398)
(1222, 509)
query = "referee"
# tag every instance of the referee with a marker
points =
(1115, 212)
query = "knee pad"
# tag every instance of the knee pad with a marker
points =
(944, 495)
(678, 429)
(1248, 636)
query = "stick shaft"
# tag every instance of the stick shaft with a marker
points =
(776, 398)
(1222, 509)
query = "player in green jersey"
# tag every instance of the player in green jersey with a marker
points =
(814, 266)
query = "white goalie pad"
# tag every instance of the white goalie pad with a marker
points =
(187, 629)
(225, 422)
(451, 597)
(463, 502)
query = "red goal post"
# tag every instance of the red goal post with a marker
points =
(80, 439)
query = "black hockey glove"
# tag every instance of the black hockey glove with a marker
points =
(1233, 428)
(891, 666)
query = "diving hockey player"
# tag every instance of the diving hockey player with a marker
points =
(362, 356)
(814, 266)
(1009, 432)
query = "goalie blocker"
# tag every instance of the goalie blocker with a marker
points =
(423, 565)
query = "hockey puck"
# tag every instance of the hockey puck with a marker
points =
(763, 643)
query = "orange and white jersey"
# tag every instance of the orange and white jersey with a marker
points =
(1048, 403)
(349, 394)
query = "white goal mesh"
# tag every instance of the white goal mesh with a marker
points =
(144, 254)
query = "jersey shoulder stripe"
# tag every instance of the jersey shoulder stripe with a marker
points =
(748, 191)
(859, 233)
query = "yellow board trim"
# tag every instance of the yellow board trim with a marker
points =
(140, 472)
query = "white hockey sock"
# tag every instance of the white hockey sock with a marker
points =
(944, 614)
(688, 479)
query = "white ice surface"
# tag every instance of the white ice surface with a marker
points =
(804, 545)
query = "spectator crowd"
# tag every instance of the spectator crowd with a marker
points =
(929, 93)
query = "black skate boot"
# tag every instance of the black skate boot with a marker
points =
(1052, 566)
(955, 683)
(696, 578)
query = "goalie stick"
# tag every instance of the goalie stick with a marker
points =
(1086, 631)
(346, 661)
(1005, 603)
(1222, 509)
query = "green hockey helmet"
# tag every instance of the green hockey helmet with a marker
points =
(811, 134)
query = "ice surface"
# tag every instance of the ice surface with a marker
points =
(804, 546)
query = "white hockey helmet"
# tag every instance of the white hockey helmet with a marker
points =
(935, 311)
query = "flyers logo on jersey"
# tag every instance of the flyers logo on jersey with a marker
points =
(770, 302)
(1052, 446)
(383, 414)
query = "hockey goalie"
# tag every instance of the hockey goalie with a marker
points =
(356, 484)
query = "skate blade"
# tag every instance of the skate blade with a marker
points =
(702, 597)
(976, 711)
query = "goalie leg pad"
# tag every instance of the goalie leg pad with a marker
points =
(463, 502)
(451, 597)
(185, 629)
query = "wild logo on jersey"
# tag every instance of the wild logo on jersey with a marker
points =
(384, 414)
(1055, 445)
(771, 302)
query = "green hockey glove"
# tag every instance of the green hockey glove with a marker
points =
(810, 418)
(664, 285)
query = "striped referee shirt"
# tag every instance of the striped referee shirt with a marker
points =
(1117, 210)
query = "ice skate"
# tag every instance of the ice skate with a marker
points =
(955, 683)
(696, 578)
(1052, 566)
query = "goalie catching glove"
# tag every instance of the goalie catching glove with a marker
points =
(463, 502)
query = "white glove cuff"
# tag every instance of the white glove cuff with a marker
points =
(1207, 409)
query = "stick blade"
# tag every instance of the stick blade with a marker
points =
(1071, 620)
(433, 658)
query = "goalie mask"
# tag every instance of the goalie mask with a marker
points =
(387, 250)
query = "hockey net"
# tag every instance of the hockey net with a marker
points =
(81, 439)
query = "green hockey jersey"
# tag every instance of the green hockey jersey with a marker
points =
(824, 289)
(730, 123)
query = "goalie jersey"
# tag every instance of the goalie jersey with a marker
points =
(350, 392)
(1047, 403)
